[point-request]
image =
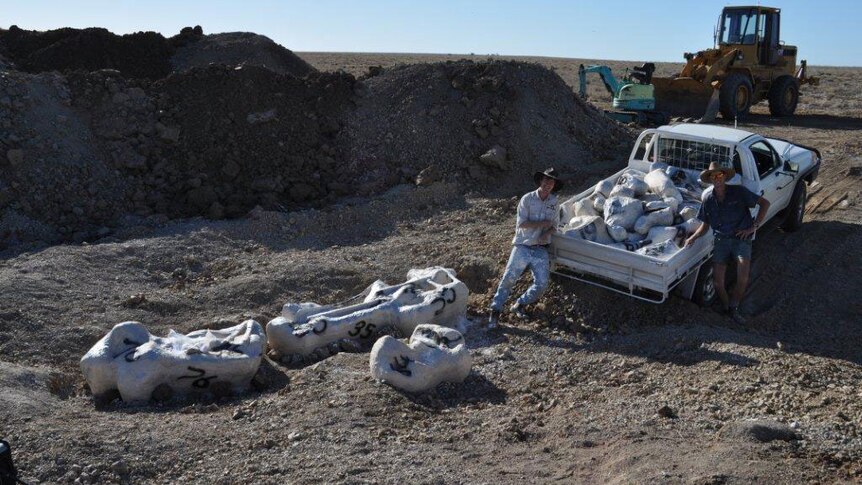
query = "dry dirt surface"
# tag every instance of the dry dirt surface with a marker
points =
(593, 388)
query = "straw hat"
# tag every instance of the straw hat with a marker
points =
(706, 175)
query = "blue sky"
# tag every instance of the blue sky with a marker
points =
(654, 30)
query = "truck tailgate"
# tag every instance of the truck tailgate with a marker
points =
(638, 275)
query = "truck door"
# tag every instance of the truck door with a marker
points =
(766, 164)
(771, 45)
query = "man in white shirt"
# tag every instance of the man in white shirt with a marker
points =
(538, 218)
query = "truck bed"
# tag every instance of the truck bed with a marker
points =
(641, 276)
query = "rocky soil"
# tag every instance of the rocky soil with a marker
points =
(218, 138)
(167, 175)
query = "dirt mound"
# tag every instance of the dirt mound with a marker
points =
(138, 55)
(90, 152)
(251, 136)
(442, 118)
(233, 49)
(55, 178)
(94, 150)
(143, 54)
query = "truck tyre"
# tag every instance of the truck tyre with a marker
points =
(735, 96)
(704, 288)
(796, 208)
(783, 96)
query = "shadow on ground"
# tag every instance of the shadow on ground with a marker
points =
(803, 293)
(818, 121)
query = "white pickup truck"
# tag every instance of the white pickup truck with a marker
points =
(776, 169)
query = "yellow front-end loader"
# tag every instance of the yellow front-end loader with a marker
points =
(748, 64)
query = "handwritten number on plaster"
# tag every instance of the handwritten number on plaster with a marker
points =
(129, 354)
(322, 329)
(439, 339)
(399, 365)
(443, 298)
(362, 329)
(200, 381)
(308, 328)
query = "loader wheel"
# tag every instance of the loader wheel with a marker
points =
(735, 96)
(796, 208)
(783, 96)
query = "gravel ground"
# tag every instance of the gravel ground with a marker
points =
(593, 388)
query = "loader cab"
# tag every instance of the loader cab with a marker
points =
(755, 30)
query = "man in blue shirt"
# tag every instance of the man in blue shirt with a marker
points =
(538, 218)
(725, 208)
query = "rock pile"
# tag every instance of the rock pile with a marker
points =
(485, 121)
(104, 145)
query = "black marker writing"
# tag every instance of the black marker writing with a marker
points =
(200, 381)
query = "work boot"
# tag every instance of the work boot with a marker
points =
(493, 319)
(735, 315)
(519, 312)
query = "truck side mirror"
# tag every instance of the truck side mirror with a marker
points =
(791, 167)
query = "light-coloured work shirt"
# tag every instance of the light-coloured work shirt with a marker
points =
(533, 209)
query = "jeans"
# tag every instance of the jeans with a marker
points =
(523, 257)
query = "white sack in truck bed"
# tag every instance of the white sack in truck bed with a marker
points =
(648, 213)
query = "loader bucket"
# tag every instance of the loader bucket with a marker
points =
(685, 97)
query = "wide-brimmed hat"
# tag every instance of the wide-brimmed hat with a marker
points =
(551, 174)
(706, 175)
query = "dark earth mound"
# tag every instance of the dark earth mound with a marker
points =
(117, 138)
(146, 55)
(139, 55)
(235, 48)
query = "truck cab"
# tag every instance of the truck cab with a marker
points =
(767, 167)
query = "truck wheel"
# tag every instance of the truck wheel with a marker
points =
(783, 96)
(704, 288)
(796, 208)
(735, 96)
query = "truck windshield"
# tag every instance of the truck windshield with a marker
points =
(738, 27)
(692, 155)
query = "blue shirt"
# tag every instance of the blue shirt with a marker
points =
(532, 208)
(731, 214)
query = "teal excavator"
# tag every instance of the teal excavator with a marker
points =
(633, 95)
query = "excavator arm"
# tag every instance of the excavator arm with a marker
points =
(611, 83)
